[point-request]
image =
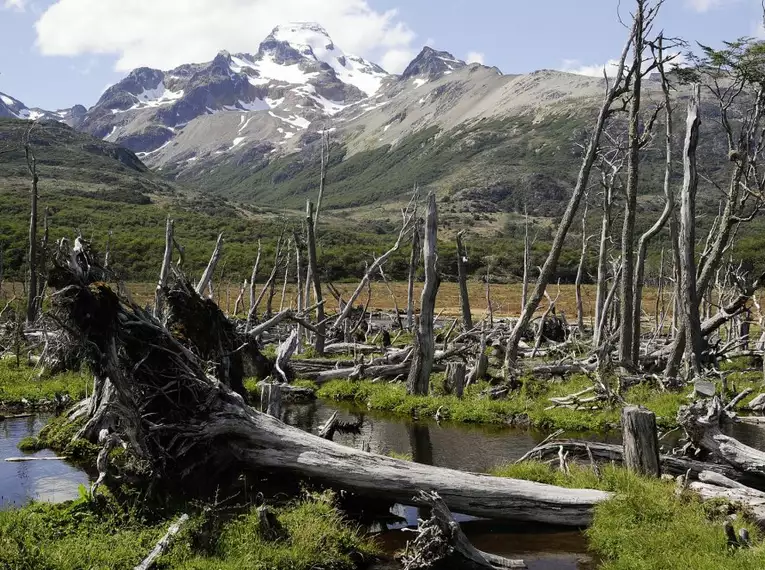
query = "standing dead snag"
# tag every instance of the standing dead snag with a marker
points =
(207, 276)
(167, 261)
(414, 260)
(425, 347)
(580, 273)
(32, 254)
(689, 296)
(615, 88)
(313, 274)
(467, 318)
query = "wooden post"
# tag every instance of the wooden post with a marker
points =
(313, 273)
(455, 378)
(467, 318)
(641, 442)
(424, 351)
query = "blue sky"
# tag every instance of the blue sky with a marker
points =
(55, 53)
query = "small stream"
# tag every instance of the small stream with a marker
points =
(456, 446)
(53, 481)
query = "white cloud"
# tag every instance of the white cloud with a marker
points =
(19, 5)
(475, 57)
(575, 66)
(396, 60)
(164, 34)
(707, 5)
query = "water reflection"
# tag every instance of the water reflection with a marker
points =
(52, 481)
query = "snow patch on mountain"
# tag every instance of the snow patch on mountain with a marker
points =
(313, 41)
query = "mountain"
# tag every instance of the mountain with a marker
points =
(14, 109)
(236, 101)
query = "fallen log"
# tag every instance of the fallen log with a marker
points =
(163, 544)
(612, 452)
(752, 500)
(185, 423)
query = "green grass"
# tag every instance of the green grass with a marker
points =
(30, 444)
(525, 406)
(105, 534)
(647, 526)
(22, 382)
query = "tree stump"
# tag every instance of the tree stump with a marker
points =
(641, 442)
(455, 378)
(271, 399)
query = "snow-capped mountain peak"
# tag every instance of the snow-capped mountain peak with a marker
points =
(11, 107)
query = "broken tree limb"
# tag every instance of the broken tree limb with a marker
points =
(440, 539)
(641, 442)
(207, 276)
(167, 260)
(163, 544)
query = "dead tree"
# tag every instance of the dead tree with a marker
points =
(689, 296)
(167, 260)
(418, 381)
(183, 422)
(414, 261)
(580, 274)
(406, 226)
(614, 89)
(253, 276)
(467, 318)
(641, 443)
(32, 252)
(207, 276)
(667, 212)
(313, 273)
(526, 257)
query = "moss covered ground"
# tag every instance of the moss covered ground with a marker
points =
(106, 534)
(23, 382)
(647, 525)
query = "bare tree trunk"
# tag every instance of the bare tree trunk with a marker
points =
(414, 260)
(602, 284)
(551, 263)
(526, 257)
(627, 329)
(286, 275)
(32, 253)
(669, 206)
(641, 442)
(580, 273)
(313, 271)
(207, 276)
(253, 277)
(467, 318)
(689, 297)
(299, 285)
(167, 260)
(425, 347)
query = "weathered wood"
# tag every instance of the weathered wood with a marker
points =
(467, 317)
(440, 539)
(167, 260)
(414, 260)
(713, 478)
(422, 364)
(163, 544)
(327, 429)
(455, 378)
(24, 459)
(271, 399)
(641, 442)
(207, 276)
(689, 295)
(752, 500)
(481, 364)
(284, 353)
(313, 271)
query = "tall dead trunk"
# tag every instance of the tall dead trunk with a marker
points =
(601, 291)
(32, 252)
(206, 279)
(425, 346)
(467, 318)
(614, 90)
(580, 274)
(414, 260)
(253, 276)
(526, 258)
(314, 274)
(627, 330)
(669, 206)
(689, 297)
(167, 260)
